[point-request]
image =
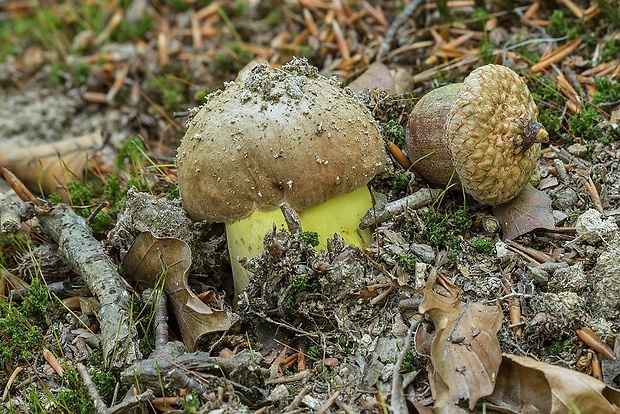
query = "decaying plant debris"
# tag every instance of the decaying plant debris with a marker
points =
(453, 306)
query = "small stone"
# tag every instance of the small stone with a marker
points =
(578, 150)
(311, 402)
(607, 290)
(568, 279)
(559, 217)
(279, 393)
(564, 198)
(591, 227)
(502, 249)
(537, 275)
(424, 252)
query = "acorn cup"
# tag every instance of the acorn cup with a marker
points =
(481, 134)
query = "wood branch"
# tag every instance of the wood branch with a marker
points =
(393, 29)
(416, 200)
(85, 256)
(10, 215)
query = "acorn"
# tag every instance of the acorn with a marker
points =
(481, 134)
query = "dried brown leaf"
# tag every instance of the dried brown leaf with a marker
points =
(151, 257)
(465, 350)
(529, 211)
(526, 385)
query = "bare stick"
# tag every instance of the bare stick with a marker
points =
(391, 31)
(10, 221)
(85, 256)
(416, 200)
(328, 403)
(133, 402)
(92, 389)
(398, 403)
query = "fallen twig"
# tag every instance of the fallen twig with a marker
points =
(396, 23)
(398, 402)
(416, 200)
(85, 256)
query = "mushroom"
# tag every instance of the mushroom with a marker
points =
(284, 135)
(482, 133)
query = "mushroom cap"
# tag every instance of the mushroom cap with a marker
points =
(286, 135)
(493, 157)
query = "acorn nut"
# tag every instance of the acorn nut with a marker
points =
(482, 134)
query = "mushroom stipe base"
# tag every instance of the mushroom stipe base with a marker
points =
(341, 215)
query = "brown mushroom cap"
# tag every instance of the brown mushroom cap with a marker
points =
(286, 135)
(493, 158)
(482, 133)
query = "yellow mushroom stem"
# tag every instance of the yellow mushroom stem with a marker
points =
(341, 214)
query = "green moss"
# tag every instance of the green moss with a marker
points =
(20, 337)
(170, 90)
(484, 245)
(443, 230)
(34, 403)
(586, 125)
(398, 181)
(288, 303)
(345, 344)
(409, 364)
(315, 352)
(301, 283)
(74, 397)
(407, 262)
(487, 50)
(127, 31)
(273, 19)
(173, 194)
(560, 25)
(394, 132)
(310, 238)
(81, 72)
(558, 347)
(606, 90)
(550, 102)
(191, 403)
(611, 50)
(106, 382)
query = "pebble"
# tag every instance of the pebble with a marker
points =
(537, 275)
(564, 198)
(578, 150)
(424, 252)
(591, 227)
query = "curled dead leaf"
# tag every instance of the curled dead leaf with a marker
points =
(526, 385)
(529, 211)
(465, 351)
(151, 257)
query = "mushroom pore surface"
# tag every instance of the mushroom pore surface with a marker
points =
(284, 135)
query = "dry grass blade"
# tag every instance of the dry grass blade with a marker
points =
(19, 187)
(555, 57)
